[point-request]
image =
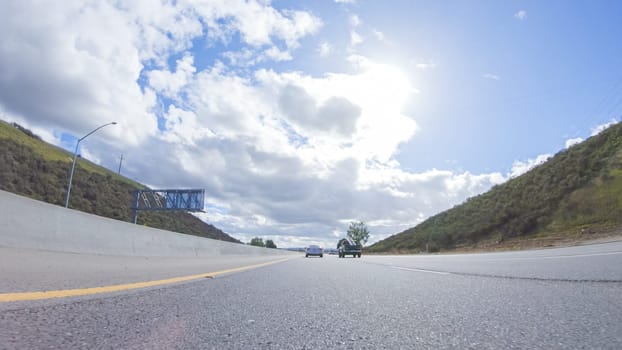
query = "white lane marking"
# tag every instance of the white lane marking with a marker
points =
(421, 270)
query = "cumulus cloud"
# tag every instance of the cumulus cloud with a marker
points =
(250, 57)
(75, 67)
(600, 128)
(379, 35)
(276, 54)
(595, 131)
(170, 83)
(573, 141)
(355, 38)
(520, 15)
(95, 52)
(335, 114)
(324, 49)
(521, 167)
(295, 149)
(281, 154)
(257, 22)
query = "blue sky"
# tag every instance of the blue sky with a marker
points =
(298, 117)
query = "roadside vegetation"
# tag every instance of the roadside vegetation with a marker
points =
(36, 169)
(259, 242)
(358, 233)
(577, 194)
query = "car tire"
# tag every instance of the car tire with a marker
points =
(306, 255)
(321, 256)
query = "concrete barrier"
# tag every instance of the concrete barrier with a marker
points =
(28, 223)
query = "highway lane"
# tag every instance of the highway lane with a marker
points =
(431, 302)
(33, 270)
(593, 262)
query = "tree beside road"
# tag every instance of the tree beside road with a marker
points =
(358, 232)
(259, 242)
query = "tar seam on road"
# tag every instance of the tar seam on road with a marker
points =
(27, 296)
(557, 256)
(422, 270)
(543, 279)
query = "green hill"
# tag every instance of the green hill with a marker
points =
(577, 194)
(36, 169)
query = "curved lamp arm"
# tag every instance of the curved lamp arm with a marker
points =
(75, 155)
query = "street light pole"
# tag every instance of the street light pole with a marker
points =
(75, 155)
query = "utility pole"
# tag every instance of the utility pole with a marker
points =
(120, 162)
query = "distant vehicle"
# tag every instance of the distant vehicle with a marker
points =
(331, 251)
(347, 247)
(314, 250)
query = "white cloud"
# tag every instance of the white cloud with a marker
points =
(355, 38)
(491, 76)
(355, 21)
(600, 128)
(276, 54)
(287, 141)
(520, 15)
(183, 127)
(88, 75)
(168, 83)
(256, 21)
(324, 49)
(249, 57)
(286, 155)
(573, 141)
(336, 114)
(96, 51)
(595, 131)
(345, 1)
(520, 167)
(245, 57)
(86, 153)
(379, 35)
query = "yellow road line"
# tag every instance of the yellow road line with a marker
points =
(27, 296)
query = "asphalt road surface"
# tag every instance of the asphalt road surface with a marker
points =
(568, 298)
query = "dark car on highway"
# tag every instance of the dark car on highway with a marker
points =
(347, 247)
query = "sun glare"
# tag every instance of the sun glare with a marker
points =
(382, 90)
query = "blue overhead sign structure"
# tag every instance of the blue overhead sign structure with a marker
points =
(167, 200)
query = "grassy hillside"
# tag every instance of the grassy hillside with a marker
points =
(576, 193)
(35, 169)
